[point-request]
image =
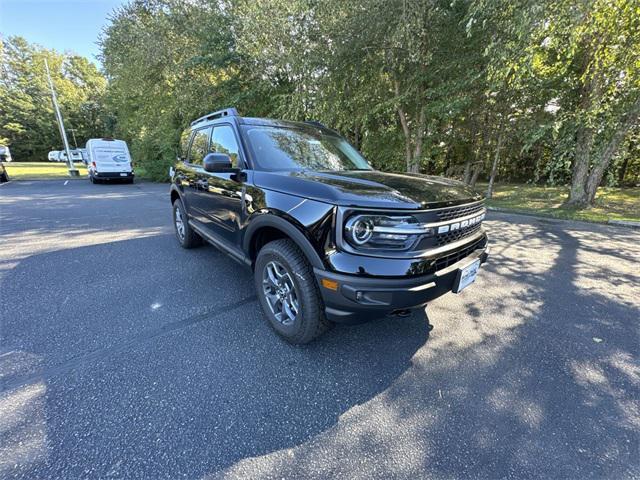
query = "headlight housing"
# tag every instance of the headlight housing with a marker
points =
(388, 232)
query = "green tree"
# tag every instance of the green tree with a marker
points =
(580, 62)
(27, 122)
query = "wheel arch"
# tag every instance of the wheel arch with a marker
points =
(269, 227)
(175, 194)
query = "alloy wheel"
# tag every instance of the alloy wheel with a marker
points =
(280, 292)
(179, 223)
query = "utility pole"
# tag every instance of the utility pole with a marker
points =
(72, 169)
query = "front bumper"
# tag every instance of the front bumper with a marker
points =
(358, 299)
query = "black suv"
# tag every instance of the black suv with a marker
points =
(329, 239)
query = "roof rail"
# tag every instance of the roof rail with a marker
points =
(227, 112)
(315, 123)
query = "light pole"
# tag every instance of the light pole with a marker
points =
(72, 169)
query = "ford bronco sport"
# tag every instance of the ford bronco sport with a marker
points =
(328, 238)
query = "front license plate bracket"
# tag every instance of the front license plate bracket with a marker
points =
(466, 276)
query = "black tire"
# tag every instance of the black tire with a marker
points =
(4, 177)
(310, 320)
(187, 237)
(91, 179)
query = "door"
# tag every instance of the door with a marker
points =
(192, 175)
(221, 201)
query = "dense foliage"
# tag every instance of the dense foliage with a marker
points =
(27, 121)
(542, 92)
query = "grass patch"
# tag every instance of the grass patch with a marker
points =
(610, 204)
(42, 170)
(52, 171)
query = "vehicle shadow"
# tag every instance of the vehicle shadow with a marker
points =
(139, 359)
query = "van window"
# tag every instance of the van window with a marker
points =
(199, 146)
(224, 141)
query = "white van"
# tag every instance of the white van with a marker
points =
(53, 155)
(109, 159)
(76, 156)
(5, 154)
(85, 155)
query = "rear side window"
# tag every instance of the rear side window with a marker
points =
(223, 140)
(199, 144)
(184, 144)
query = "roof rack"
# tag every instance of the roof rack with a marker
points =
(227, 112)
(315, 123)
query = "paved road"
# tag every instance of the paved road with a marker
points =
(124, 356)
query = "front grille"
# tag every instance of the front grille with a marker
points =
(448, 260)
(457, 235)
(456, 212)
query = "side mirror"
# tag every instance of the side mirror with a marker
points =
(217, 162)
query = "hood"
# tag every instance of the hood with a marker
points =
(369, 188)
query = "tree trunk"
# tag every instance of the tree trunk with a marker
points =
(584, 139)
(476, 173)
(419, 135)
(580, 172)
(467, 172)
(494, 167)
(595, 178)
(412, 140)
(623, 171)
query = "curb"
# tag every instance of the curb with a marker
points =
(624, 223)
(614, 223)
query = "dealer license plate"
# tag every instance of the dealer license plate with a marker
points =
(466, 276)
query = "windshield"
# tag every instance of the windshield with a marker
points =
(280, 148)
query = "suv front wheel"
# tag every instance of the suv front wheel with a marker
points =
(288, 292)
(187, 237)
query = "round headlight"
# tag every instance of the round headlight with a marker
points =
(360, 229)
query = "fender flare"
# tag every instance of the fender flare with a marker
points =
(175, 189)
(279, 223)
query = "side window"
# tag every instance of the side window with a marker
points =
(198, 146)
(224, 141)
(184, 144)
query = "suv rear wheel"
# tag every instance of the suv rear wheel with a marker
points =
(288, 292)
(187, 237)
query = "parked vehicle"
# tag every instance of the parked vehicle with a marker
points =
(5, 154)
(329, 239)
(76, 156)
(85, 155)
(108, 160)
(4, 176)
(53, 155)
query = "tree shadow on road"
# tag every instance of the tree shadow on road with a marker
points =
(181, 375)
(528, 374)
(536, 378)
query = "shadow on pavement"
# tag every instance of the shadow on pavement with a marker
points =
(140, 359)
(136, 359)
(539, 379)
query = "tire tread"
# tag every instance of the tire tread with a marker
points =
(315, 322)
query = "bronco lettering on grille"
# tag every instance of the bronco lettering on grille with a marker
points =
(460, 225)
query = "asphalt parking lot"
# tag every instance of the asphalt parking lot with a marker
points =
(124, 356)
